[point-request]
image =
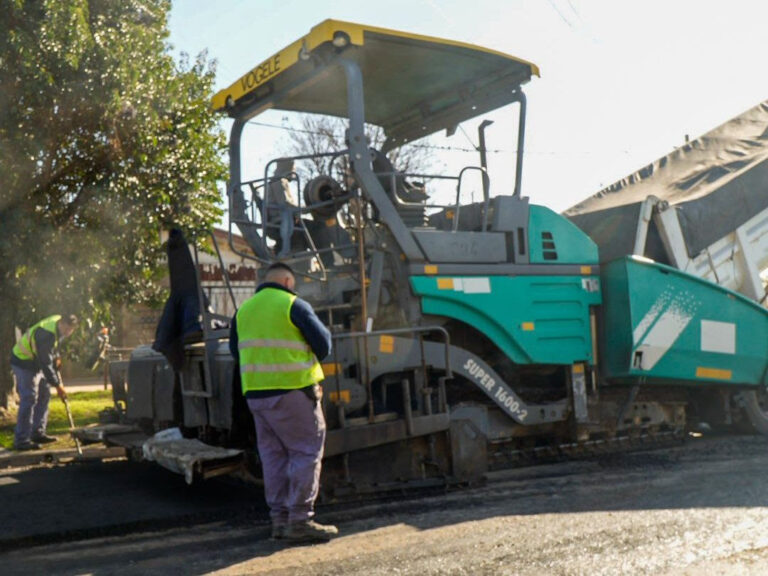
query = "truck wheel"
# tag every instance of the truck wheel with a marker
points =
(756, 407)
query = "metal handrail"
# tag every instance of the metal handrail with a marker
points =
(267, 180)
(410, 330)
(406, 330)
(457, 205)
(224, 271)
(485, 196)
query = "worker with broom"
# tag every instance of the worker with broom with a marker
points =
(33, 362)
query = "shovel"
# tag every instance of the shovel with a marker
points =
(72, 425)
(71, 422)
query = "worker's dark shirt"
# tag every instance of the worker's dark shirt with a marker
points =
(45, 361)
(304, 318)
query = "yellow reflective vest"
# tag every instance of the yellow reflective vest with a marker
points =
(273, 352)
(26, 348)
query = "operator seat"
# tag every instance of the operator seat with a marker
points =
(409, 198)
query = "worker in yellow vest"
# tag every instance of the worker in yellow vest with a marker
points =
(33, 361)
(278, 341)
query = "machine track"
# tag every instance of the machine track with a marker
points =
(502, 456)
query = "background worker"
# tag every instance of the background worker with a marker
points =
(33, 361)
(277, 339)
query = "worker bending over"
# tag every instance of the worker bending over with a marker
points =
(277, 339)
(33, 361)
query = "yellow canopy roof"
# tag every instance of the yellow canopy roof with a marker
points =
(414, 85)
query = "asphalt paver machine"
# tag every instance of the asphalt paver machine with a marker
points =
(469, 333)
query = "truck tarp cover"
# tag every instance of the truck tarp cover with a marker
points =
(716, 182)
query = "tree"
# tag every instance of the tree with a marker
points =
(104, 140)
(322, 134)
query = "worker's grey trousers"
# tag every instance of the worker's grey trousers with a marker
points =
(34, 397)
(290, 434)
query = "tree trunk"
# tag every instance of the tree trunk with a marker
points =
(7, 338)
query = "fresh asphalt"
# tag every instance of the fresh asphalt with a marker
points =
(88, 499)
(50, 496)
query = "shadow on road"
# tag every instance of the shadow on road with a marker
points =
(73, 515)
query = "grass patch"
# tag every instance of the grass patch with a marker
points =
(85, 408)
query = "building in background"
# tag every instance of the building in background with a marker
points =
(136, 325)
(242, 274)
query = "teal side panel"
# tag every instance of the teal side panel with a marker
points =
(616, 333)
(664, 326)
(532, 319)
(554, 239)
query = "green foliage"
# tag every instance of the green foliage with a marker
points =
(85, 408)
(104, 141)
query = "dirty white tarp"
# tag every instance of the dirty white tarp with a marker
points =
(717, 182)
(169, 449)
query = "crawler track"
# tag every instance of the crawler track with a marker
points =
(507, 457)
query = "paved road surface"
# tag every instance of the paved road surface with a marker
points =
(50, 503)
(699, 509)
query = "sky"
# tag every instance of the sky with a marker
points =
(622, 81)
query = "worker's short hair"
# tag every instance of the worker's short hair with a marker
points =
(281, 266)
(70, 319)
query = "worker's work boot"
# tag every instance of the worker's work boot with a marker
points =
(43, 438)
(310, 531)
(26, 445)
(278, 531)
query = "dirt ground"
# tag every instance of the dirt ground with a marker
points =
(698, 509)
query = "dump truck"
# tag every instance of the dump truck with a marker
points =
(469, 332)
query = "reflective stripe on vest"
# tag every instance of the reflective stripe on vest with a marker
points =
(274, 343)
(277, 367)
(273, 352)
(26, 348)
